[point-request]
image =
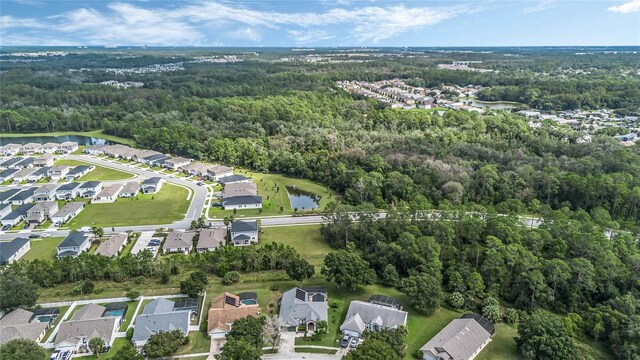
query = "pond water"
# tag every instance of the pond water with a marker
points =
(496, 105)
(81, 140)
(302, 200)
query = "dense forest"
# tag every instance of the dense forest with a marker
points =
(289, 118)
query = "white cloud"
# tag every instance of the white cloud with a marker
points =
(191, 23)
(630, 7)
(245, 34)
(540, 5)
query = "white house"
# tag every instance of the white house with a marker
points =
(179, 241)
(152, 185)
(90, 189)
(13, 250)
(242, 202)
(74, 244)
(46, 192)
(109, 194)
(68, 212)
(58, 172)
(244, 232)
(68, 191)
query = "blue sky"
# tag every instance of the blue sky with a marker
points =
(320, 22)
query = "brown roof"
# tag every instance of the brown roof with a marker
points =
(221, 312)
(212, 238)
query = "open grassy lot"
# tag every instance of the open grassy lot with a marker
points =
(168, 205)
(305, 239)
(99, 173)
(43, 248)
(273, 189)
(95, 134)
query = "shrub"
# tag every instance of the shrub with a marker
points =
(511, 316)
(231, 278)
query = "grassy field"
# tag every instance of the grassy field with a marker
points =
(43, 248)
(305, 239)
(272, 188)
(168, 205)
(99, 173)
(95, 134)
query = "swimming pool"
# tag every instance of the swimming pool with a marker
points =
(248, 302)
(114, 313)
(45, 318)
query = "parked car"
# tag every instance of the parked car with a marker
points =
(46, 235)
(199, 183)
(354, 342)
(34, 236)
(58, 223)
(6, 227)
(345, 341)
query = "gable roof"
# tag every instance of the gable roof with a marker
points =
(90, 185)
(8, 248)
(24, 195)
(212, 238)
(18, 212)
(151, 181)
(78, 170)
(299, 304)
(75, 239)
(89, 311)
(112, 245)
(232, 179)
(361, 313)
(69, 208)
(244, 226)
(68, 186)
(159, 306)
(41, 171)
(179, 239)
(47, 188)
(31, 331)
(16, 317)
(73, 331)
(131, 188)
(460, 339)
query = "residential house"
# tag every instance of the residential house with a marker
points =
(152, 185)
(11, 163)
(44, 160)
(216, 172)
(58, 172)
(130, 189)
(194, 169)
(210, 239)
(113, 246)
(227, 308)
(10, 149)
(176, 162)
(74, 244)
(46, 192)
(16, 216)
(244, 232)
(461, 339)
(240, 189)
(24, 163)
(232, 179)
(179, 241)
(23, 174)
(23, 197)
(242, 202)
(90, 189)
(95, 149)
(5, 209)
(303, 308)
(49, 148)
(154, 160)
(31, 148)
(39, 212)
(6, 195)
(68, 212)
(363, 316)
(7, 174)
(13, 250)
(109, 194)
(67, 147)
(39, 174)
(20, 324)
(159, 316)
(68, 191)
(86, 323)
(116, 151)
(78, 171)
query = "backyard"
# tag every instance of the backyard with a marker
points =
(43, 248)
(168, 205)
(99, 173)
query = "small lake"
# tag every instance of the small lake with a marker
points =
(302, 200)
(81, 140)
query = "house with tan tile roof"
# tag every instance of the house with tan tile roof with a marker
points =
(227, 308)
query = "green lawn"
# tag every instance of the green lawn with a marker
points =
(503, 345)
(43, 248)
(118, 344)
(99, 173)
(305, 239)
(63, 310)
(131, 308)
(95, 134)
(302, 349)
(272, 188)
(198, 343)
(168, 205)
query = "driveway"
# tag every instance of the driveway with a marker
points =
(287, 342)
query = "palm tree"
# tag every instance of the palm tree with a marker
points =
(96, 345)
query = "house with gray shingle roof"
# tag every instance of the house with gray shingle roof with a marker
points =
(244, 232)
(74, 244)
(40, 173)
(13, 250)
(209, 239)
(461, 339)
(74, 335)
(68, 212)
(113, 246)
(152, 185)
(19, 324)
(159, 316)
(7, 174)
(303, 307)
(179, 241)
(363, 316)
(131, 189)
(16, 216)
